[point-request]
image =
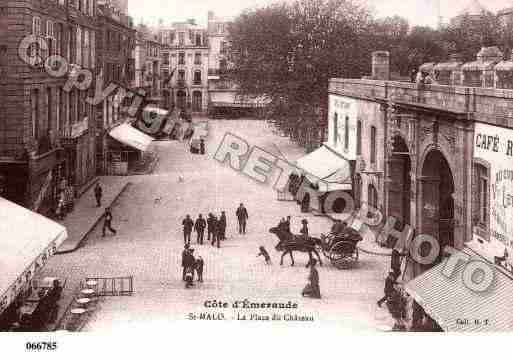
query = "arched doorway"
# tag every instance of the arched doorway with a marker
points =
(437, 203)
(196, 101)
(181, 99)
(399, 201)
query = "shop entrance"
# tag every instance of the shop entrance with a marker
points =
(437, 190)
(196, 101)
(400, 182)
(181, 99)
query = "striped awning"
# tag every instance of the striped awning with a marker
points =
(456, 308)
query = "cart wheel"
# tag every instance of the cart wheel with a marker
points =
(340, 258)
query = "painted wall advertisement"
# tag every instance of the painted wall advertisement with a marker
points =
(343, 112)
(493, 154)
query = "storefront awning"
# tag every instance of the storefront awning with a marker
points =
(449, 302)
(324, 167)
(132, 137)
(28, 239)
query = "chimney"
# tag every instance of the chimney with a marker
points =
(381, 65)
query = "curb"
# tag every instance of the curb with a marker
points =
(84, 236)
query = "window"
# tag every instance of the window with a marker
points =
(373, 145)
(34, 107)
(60, 111)
(220, 28)
(79, 46)
(198, 39)
(223, 65)
(335, 129)
(181, 38)
(36, 26)
(197, 58)
(181, 58)
(49, 105)
(181, 75)
(87, 50)
(222, 48)
(197, 77)
(93, 50)
(346, 133)
(359, 138)
(481, 195)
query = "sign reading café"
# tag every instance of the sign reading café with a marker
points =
(493, 191)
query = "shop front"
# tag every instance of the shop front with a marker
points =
(79, 146)
(325, 172)
(127, 148)
(28, 240)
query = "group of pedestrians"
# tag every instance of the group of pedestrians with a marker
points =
(215, 226)
(190, 265)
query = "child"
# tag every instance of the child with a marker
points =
(264, 253)
(199, 268)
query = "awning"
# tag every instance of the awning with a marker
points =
(232, 99)
(28, 239)
(324, 167)
(130, 136)
(449, 302)
(504, 66)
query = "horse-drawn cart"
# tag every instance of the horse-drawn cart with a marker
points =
(341, 249)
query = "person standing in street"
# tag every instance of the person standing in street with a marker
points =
(107, 222)
(202, 146)
(98, 193)
(304, 229)
(222, 226)
(199, 227)
(242, 217)
(187, 229)
(312, 289)
(199, 268)
(286, 226)
(390, 283)
(210, 226)
(215, 231)
(185, 253)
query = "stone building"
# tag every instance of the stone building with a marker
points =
(473, 12)
(438, 157)
(147, 60)
(115, 43)
(185, 57)
(45, 131)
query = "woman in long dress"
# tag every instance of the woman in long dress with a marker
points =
(312, 289)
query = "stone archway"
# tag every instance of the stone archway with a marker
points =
(437, 198)
(400, 165)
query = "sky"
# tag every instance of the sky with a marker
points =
(419, 12)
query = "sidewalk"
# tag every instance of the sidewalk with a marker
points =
(86, 215)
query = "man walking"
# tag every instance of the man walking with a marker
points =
(286, 226)
(222, 226)
(185, 254)
(107, 222)
(98, 192)
(210, 226)
(199, 227)
(242, 217)
(187, 229)
(215, 231)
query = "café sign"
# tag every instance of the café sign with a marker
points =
(493, 149)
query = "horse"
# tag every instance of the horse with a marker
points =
(289, 243)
